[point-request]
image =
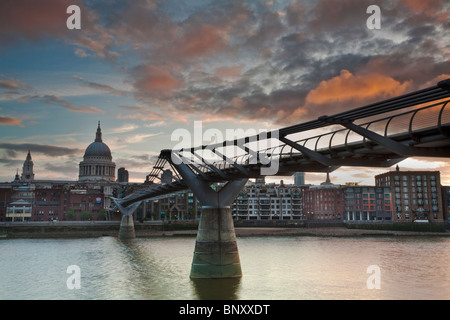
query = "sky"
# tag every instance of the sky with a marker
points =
(147, 68)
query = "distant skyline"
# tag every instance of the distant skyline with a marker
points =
(147, 68)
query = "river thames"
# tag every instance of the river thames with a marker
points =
(274, 268)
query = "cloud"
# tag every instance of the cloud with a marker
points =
(182, 64)
(54, 99)
(10, 162)
(33, 20)
(99, 86)
(152, 81)
(199, 41)
(9, 121)
(228, 72)
(96, 39)
(344, 92)
(40, 20)
(127, 127)
(48, 150)
(81, 53)
(358, 88)
(295, 13)
(141, 112)
(125, 141)
(68, 169)
(139, 137)
(266, 32)
(9, 84)
(336, 14)
(12, 87)
(430, 7)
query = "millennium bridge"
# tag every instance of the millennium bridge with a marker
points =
(381, 134)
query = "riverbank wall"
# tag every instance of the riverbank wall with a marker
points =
(31, 230)
(36, 230)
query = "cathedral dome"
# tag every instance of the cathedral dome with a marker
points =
(97, 161)
(98, 150)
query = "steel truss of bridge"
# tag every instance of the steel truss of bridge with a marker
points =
(376, 135)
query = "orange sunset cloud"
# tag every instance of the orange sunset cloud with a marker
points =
(359, 88)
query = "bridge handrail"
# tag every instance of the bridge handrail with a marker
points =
(243, 158)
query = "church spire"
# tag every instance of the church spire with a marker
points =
(327, 181)
(27, 171)
(98, 135)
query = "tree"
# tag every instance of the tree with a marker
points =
(70, 214)
(101, 215)
(153, 215)
(86, 215)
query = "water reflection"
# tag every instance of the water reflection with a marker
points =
(273, 268)
(151, 273)
(216, 289)
(157, 268)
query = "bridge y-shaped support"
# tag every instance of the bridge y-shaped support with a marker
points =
(126, 230)
(216, 254)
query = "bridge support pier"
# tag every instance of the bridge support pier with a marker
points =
(216, 253)
(126, 230)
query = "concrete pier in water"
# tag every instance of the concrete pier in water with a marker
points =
(126, 230)
(216, 253)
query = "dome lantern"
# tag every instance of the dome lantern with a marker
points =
(98, 135)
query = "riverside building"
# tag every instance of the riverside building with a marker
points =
(415, 195)
(258, 201)
(367, 203)
(446, 202)
(324, 201)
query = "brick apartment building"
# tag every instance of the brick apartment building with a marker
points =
(415, 195)
(51, 201)
(324, 201)
(367, 203)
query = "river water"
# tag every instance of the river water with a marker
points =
(280, 268)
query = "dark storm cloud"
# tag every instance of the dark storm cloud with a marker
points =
(49, 150)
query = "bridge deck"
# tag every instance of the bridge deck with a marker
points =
(415, 124)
